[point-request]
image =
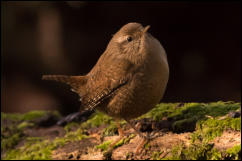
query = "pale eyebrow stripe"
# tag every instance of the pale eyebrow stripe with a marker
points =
(121, 39)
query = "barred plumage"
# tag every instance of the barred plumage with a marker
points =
(129, 78)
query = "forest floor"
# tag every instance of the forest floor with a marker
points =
(180, 131)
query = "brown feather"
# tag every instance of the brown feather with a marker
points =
(74, 81)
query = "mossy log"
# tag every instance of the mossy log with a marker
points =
(181, 131)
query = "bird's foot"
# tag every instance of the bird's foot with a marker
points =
(116, 141)
(108, 154)
(141, 145)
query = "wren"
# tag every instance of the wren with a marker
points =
(129, 78)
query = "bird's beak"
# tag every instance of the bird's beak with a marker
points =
(146, 28)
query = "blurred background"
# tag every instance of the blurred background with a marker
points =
(202, 41)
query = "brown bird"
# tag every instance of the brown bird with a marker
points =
(128, 80)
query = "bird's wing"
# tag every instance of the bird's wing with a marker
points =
(104, 81)
(90, 101)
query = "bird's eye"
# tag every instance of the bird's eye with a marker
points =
(129, 38)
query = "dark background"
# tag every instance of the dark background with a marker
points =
(202, 41)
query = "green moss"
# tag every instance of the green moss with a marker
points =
(201, 148)
(204, 119)
(70, 126)
(233, 153)
(25, 124)
(190, 113)
(12, 134)
(128, 155)
(97, 120)
(201, 152)
(160, 111)
(33, 149)
(12, 130)
(156, 155)
(184, 117)
(209, 129)
(184, 125)
(176, 153)
(33, 115)
(190, 110)
(194, 152)
(36, 148)
(147, 146)
(24, 117)
(11, 141)
(75, 135)
(124, 140)
(104, 146)
(110, 130)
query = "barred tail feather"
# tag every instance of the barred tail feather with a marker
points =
(58, 78)
(74, 81)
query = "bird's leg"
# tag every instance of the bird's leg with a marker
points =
(120, 132)
(145, 139)
(112, 146)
